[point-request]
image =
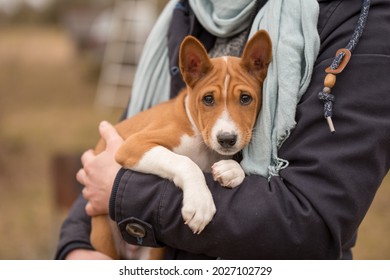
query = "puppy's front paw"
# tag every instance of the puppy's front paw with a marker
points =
(198, 209)
(228, 173)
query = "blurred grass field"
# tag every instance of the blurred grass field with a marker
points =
(47, 92)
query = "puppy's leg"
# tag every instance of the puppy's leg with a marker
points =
(102, 238)
(228, 173)
(198, 205)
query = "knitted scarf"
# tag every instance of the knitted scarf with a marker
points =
(292, 25)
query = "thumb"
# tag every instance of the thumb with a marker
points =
(110, 135)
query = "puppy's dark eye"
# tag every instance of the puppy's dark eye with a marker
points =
(208, 100)
(245, 99)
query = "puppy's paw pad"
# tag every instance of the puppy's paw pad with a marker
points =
(228, 173)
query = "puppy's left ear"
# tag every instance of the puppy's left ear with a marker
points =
(257, 55)
(194, 61)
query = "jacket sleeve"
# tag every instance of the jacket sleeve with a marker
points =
(313, 209)
(75, 230)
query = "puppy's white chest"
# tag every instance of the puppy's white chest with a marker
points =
(194, 148)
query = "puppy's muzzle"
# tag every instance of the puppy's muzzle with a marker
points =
(227, 140)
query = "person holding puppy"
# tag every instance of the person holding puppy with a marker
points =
(304, 197)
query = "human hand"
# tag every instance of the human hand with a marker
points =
(85, 254)
(99, 171)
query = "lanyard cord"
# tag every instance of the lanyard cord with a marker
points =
(339, 62)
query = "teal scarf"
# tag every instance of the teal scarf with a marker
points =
(223, 18)
(292, 27)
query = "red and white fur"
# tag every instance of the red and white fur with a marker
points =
(198, 131)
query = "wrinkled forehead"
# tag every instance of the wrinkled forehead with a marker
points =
(215, 76)
(223, 66)
(225, 63)
(231, 66)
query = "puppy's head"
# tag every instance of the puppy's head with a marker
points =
(225, 94)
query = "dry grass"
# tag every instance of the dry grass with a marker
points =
(46, 108)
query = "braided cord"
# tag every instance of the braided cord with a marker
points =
(325, 95)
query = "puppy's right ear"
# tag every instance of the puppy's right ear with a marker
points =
(194, 61)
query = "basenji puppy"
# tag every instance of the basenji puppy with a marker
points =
(198, 131)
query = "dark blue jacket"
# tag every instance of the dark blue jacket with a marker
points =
(314, 208)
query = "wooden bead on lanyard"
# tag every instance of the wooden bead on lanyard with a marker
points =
(339, 63)
(329, 82)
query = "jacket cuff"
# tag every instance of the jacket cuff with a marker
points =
(61, 255)
(135, 209)
(111, 206)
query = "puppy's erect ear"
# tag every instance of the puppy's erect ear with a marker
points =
(194, 61)
(257, 55)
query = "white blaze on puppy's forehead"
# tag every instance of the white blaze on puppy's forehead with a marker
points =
(226, 86)
(227, 79)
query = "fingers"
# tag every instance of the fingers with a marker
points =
(94, 206)
(110, 135)
(87, 193)
(81, 177)
(99, 171)
(89, 209)
(87, 157)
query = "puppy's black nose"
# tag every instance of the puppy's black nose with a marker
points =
(227, 140)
